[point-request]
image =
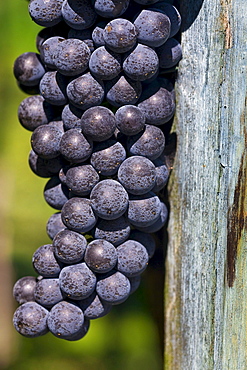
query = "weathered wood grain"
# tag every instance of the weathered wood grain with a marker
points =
(206, 267)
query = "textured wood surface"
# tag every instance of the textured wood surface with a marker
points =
(206, 266)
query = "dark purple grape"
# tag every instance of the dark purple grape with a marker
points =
(135, 282)
(60, 29)
(78, 14)
(72, 57)
(98, 123)
(71, 117)
(44, 261)
(23, 290)
(169, 53)
(114, 231)
(145, 239)
(45, 167)
(45, 141)
(100, 256)
(107, 157)
(28, 69)
(77, 215)
(120, 35)
(83, 35)
(130, 120)
(58, 124)
(77, 281)
(53, 88)
(110, 8)
(69, 246)
(30, 320)
(82, 332)
(109, 199)
(159, 223)
(114, 288)
(46, 13)
(65, 320)
(123, 91)
(105, 64)
(74, 147)
(34, 111)
(85, 92)
(144, 210)
(158, 103)
(48, 50)
(137, 175)
(81, 179)
(150, 143)
(153, 28)
(171, 12)
(162, 175)
(141, 64)
(97, 34)
(47, 292)
(132, 258)
(55, 193)
(93, 307)
(54, 225)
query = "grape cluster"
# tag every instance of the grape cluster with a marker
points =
(96, 111)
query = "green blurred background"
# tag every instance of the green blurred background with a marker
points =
(130, 337)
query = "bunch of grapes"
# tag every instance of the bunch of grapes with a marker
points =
(97, 108)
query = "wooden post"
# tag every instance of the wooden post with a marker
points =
(206, 266)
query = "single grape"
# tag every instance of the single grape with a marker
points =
(169, 53)
(81, 179)
(98, 123)
(145, 239)
(137, 175)
(93, 307)
(45, 167)
(130, 120)
(55, 193)
(54, 225)
(74, 147)
(149, 143)
(85, 91)
(77, 215)
(28, 69)
(132, 258)
(72, 57)
(162, 175)
(45, 141)
(123, 91)
(48, 50)
(144, 210)
(30, 320)
(71, 117)
(82, 332)
(105, 64)
(135, 282)
(109, 199)
(120, 35)
(77, 281)
(141, 64)
(107, 157)
(23, 290)
(78, 14)
(46, 13)
(69, 246)
(100, 256)
(113, 288)
(53, 88)
(34, 111)
(65, 320)
(44, 261)
(159, 223)
(153, 28)
(114, 231)
(110, 8)
(47, 292)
